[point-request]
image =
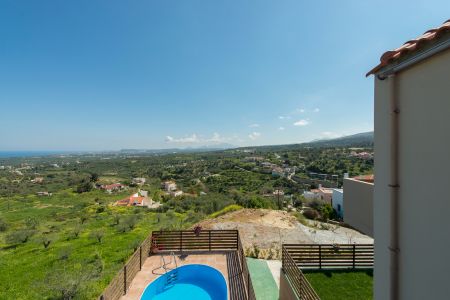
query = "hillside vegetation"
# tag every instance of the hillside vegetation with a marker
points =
(71, 244)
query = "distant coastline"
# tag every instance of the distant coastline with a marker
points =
(12, 154)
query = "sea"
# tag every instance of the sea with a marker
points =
(10, 154)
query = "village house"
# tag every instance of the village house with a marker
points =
(277, 172)
(321, 193)
(253, 159)
(169, 186)
(361, 155)
(47, 194)
(176, 193)
(113, 187)
(338, 202)
(138, 180)
(38, 180)
(358, 203)
(137, 199)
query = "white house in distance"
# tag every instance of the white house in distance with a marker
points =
(138, 180)
(412, 163)
(321, 193)
(358, 203)
(338, 202)
(170, 186)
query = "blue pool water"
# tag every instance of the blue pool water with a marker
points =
(190, 282)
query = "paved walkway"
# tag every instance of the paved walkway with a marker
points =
(264, 284)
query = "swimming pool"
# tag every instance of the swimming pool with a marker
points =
(189, 282)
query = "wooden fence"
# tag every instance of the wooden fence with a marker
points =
(321, 256)
(188, 240)
(250, 293)
(206, 241)
(328, 256)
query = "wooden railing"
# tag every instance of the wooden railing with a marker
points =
(329, 256)
(300, 285)
(204, 241)
(188, 240)
(250, 293)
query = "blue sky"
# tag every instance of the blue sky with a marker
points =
(106, 75)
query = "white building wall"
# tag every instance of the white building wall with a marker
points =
(338, 201)
(358, 203)
(424, 164)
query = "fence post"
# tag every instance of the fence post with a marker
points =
(354, 254)
(320, 256)
(248, 285)
(140, 258)
(125, 279)
(181, 240)
(209, 237)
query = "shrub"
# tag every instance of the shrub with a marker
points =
(229, 208)
(45, 240)
(97, 235)
(31, 223)
(19, 236)
(3, 225)
(311, 214)
(76, 231)
(256, 251)
(300, 218)
(316, 204)
(83, 218)
(123, 227)
(116, 219)
(326, 212)
(128, 222)
(61, 283)
(64, 253)
(100, 209)
(84, 186)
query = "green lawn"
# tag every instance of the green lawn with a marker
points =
(342, 284)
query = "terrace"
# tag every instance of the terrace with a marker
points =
(326, 271)
(219, 249)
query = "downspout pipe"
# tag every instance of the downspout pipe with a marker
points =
(394, 186)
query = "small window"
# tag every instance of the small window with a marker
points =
(339, 207)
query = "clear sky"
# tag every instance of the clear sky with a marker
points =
(106, 75)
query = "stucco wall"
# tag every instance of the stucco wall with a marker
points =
(424, 102)
(358, 204)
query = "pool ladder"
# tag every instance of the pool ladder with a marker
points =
(172, 277)
(164, 264)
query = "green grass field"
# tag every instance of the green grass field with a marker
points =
(29, 269)
(336, 285)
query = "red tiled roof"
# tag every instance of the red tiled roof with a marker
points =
(410, 46)
(366, 178)
(130, 201)
(112, 186)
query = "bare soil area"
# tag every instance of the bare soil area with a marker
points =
(263, 231)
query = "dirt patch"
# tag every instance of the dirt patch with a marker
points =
(263, 231)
